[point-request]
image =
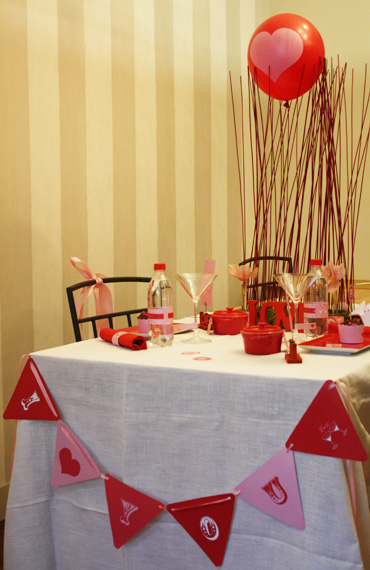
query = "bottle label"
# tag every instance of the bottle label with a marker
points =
(160, 315)
(316, 310)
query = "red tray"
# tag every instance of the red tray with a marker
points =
(330, 343)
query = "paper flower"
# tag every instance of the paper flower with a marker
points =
(333, 275)
(242, 272)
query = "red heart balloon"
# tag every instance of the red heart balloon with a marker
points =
(286, 56)
(68, 465)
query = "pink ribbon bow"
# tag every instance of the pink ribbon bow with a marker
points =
(102, 294)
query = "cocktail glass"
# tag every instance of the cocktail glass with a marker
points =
(195, 284)
(295, 286)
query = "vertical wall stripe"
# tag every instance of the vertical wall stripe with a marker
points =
(165, 134)
(45, 170)
(219, 148)
(99, 144)
(146, 137)
(124, 158)
(15, 226)
(72, 143)
(234, 215)
(184, 144)
(247, 27)
(123, 109)
(202, 131)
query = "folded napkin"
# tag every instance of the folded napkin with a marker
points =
(120, 337)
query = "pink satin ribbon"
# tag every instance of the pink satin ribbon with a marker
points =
(102, 294)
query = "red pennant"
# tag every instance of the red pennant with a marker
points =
(273, 488)
(72, 463)
(326, 428)
(208, 521)
(31, 399)
(129, 510)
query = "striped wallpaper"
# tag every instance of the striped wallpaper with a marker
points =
(116, 146)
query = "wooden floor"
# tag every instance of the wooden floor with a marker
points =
(1, 544)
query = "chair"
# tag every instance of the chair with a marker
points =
(76, 321)
(265, 288)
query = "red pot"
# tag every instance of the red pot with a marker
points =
(229, 321)
(262, 339)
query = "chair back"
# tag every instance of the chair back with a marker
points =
(76, 321)
(265, 287)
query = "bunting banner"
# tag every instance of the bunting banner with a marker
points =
(72, 463)
(273, 488)
(129, 510)
(31, 399)
(208, 521)
(326, 428)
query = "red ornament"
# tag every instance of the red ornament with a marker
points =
(286, 56)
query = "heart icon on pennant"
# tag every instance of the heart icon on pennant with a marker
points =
(275, 53)
(68, 465)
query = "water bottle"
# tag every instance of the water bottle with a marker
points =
(160, 307)
(315, 308)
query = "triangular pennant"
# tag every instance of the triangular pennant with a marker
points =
(129, 510)
(326, 428)
(72, 463)
(31, 399)
(273, 488)
(208, 521)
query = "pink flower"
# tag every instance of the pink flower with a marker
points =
(333, 275)
(242, 272)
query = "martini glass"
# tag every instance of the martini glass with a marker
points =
(195, 284)
(295, 286)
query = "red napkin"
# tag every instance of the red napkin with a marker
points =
(121, 338)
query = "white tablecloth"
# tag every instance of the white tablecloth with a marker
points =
(177, 429)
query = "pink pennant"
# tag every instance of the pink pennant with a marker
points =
(326, 428)
(72, 462)
(31, 399)
(206, 298)
(273, 488)
(129, 510)
(208, 521)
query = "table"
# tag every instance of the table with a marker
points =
(178, 428)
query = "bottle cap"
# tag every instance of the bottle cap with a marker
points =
(158, 266)
(316, 262)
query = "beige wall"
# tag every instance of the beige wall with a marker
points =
(344, 27)
(117, 147)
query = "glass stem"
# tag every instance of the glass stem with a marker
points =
(195, 334)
